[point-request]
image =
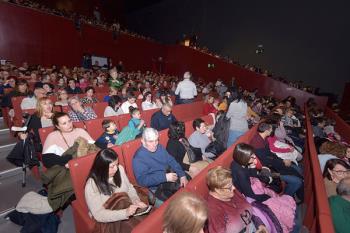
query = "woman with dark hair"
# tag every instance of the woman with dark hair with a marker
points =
(237, 112)
(147, 102)
(107, 177)
(89, 98)
(177, 149)
(334, 171)
(113, 108)
(247, 180)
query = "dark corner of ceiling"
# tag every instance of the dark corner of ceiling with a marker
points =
(131, 6)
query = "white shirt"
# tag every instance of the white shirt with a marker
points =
(125, 106)
(28, 103)
(186, 89)
(147, 105)
(109, 111)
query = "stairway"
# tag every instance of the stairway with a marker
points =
(11, 189)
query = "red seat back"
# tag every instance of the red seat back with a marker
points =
(99, 108)
(123, 120)
(129, 149)
(186, 112)
(94, 127)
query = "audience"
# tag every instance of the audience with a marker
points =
(110, 135)
(147, 102)
(130, 102)
(153, 165)
(89, 98)
(163, 118)
(78, 112)
(72, 87)
(30, 101)
(340, 205)
(186, 89)
(113, 108)
(185, 213)
(334, 171)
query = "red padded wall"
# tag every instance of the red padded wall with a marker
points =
(29, 35)
(180, 59)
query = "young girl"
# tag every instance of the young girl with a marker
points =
(109, 137)
(136, 123)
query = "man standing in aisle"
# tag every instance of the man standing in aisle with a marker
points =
(186, 89)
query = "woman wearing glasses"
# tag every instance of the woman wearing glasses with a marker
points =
(334, 171)
(228, 209)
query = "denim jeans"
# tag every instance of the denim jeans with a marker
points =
(233, 136)
(293, 184)
(186, 101)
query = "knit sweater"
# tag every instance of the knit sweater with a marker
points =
(95, 199)
(150, 167)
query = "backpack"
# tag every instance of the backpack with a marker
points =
(221, 129)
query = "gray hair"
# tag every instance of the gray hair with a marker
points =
(73, 98)
(150, 134)
(343, 188)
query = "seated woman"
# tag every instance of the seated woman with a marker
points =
(62, 98)
(42, 118)
(334, 171)
(247, 180)
(223, 106)
(209, 105)
(62, 138)
(229, 211)
(332, 150)
(147, 103)
(106, 180)
(201, 138)
(185, 213)
(113, 108)
(176, 148)
(78, 112)
(89, 98)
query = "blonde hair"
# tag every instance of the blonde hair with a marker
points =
(218, 177)
(39, 110)
(186, 213)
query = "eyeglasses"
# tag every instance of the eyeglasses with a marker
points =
(230, 188)
(341, 173)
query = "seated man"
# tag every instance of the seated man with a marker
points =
(151, 162)
(340, 205)
(163, 118)
(72, 87)
(290, 173)
(30, 101)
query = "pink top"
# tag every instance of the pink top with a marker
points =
(275, 149)
(56, 144)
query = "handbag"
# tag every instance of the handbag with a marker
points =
(165, 190)
(194, 154)
(215, 147)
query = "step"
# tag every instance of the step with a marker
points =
(13, 185)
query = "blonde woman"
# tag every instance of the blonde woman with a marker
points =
(40, 119)
(185, 213)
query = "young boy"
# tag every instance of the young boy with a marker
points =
(108, 138)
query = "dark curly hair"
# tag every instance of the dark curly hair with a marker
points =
(176, 130)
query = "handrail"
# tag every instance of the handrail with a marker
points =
(323, 218)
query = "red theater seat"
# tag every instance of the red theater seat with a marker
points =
(79, 170)
(129, 150)
(94, 127)
(185, 112)
(99, 109)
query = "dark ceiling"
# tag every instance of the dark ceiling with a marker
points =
(135, 5)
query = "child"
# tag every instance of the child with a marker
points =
(136, 123)
(109, 137)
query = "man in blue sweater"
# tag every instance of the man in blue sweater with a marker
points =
(151, 162)
(163, 119)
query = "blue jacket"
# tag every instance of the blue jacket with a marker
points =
(159, 121)
(106, 138)
(150, 167)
